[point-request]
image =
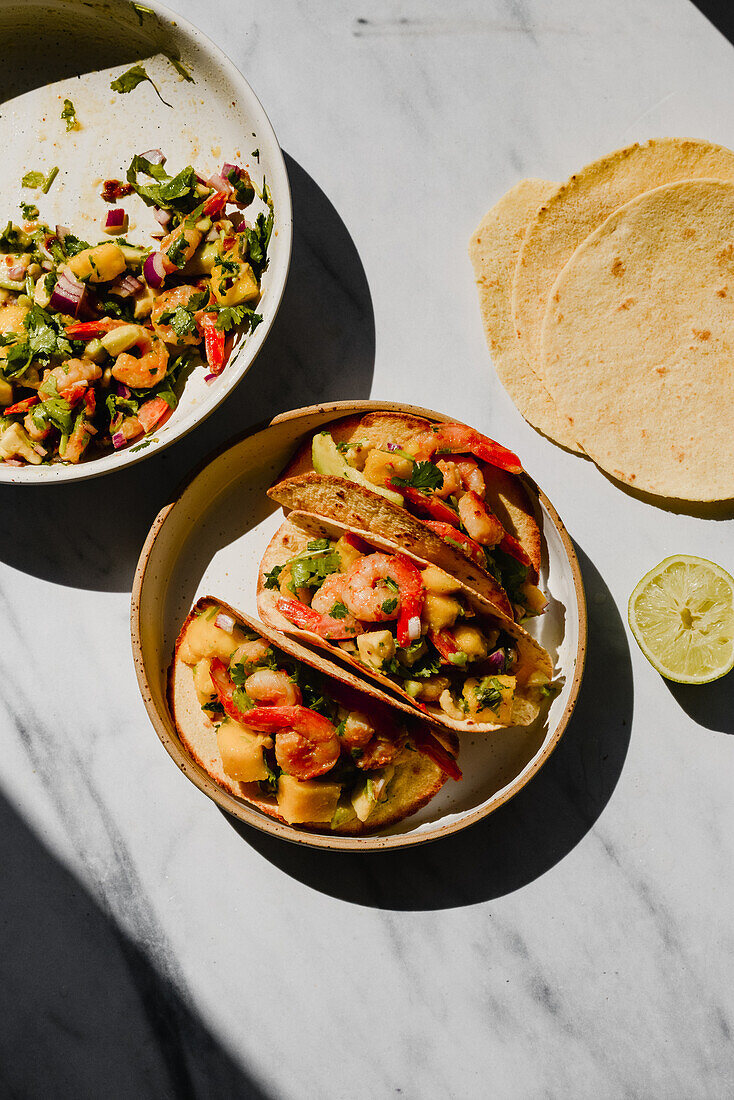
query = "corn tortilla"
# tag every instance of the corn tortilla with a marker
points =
(638, 341)
(579, 206)
(493, 250)
(415, 782)
(292, 538)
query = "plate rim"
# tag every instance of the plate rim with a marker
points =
(238, 808)
(115, 461)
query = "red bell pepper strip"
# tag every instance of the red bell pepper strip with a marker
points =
(215, 204)
(303, 616)
(357, 543)
(214, 339)
(74, 393)
(21, 406)
(153, 413)
(431, 747)
(224, 688)
(451, 534)
(424, 505)
(90, 402)
(90, 330)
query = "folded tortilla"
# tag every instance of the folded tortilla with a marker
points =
(416, 779)
(301, 488)
(292, 538)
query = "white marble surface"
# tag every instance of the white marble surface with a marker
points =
(577, 944)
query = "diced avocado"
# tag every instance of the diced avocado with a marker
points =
(134, 255)
(327, 460)
(413, 688)
(203, 260)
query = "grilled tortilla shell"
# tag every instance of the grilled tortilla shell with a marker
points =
(292, 538)
(416, 779)
(506, 495)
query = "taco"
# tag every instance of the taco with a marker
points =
(306, 743)
(443, 487)
(402, 621)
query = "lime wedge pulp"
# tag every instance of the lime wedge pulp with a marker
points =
(682, 616)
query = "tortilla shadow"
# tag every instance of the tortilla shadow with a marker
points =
(524, 838)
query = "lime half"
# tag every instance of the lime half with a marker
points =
(682, 615)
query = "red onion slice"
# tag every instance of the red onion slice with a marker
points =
(17, 272)
(154, 156)
(68, 294)
(116, 219)
(163, 217)
(225, 622)
(154, 271)
(62, 231)
(221, 184)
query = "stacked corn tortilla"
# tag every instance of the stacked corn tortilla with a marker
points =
(608, 306)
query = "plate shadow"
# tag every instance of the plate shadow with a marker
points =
(524, 838)
(321, 347)
(82, 1004)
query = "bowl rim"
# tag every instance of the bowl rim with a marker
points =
(123, 460)
(238, 808)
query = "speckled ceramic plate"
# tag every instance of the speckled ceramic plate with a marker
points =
(211, 538)
(59, 49)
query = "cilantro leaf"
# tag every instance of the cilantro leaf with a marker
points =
(424, 475)
(182, 70)
(339, 611)
(181, 321)
(69, 116)
(389, 606)
(29, 210)
(272, 578)
(129, 80)
(33, 179)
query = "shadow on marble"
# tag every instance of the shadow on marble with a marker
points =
(524, 838)
(720, 13)
(709, 705)
(321, 348)
(82, 1006)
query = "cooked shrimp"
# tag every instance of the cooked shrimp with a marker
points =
(306, 743)
(480, 524)
(267, 685)
(191, 235)
(460, 439)
(326, 626)
(331, 592)
(168, 302)
(370, 598)
(358, 730)
(149, 369)
(252, 652)
(471, 475)
(74, 370)
(381, 750)
(451, 479)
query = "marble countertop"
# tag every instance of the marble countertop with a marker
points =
(579, 942)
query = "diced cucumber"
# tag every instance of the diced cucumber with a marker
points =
(329, 461)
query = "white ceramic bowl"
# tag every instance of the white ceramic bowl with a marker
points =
(209, 541)
(58, 49)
